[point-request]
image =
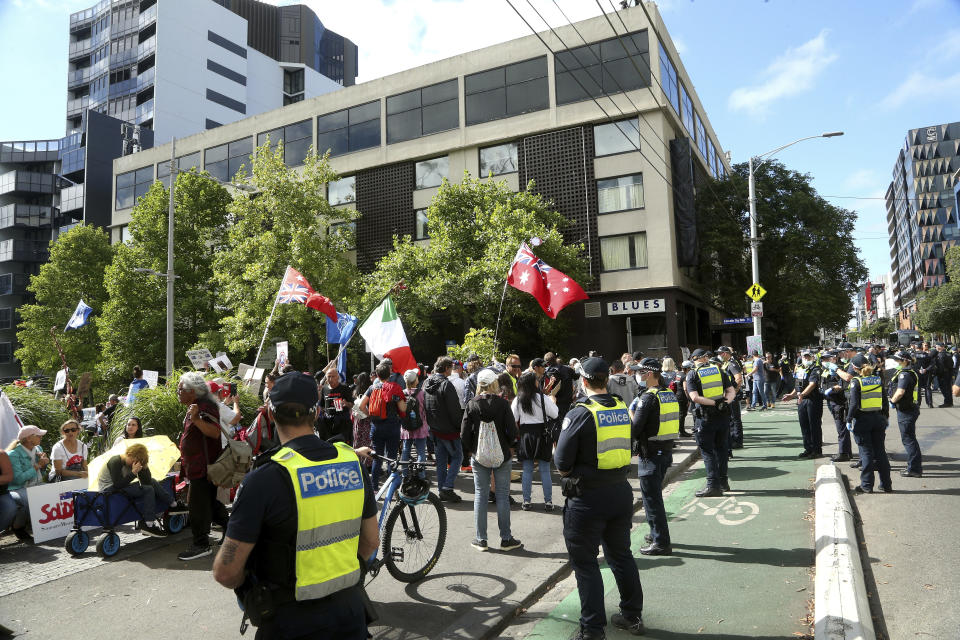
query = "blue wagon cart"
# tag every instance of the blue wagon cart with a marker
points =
(109, 510)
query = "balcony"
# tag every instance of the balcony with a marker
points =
(147, 47)
(27, 182)
(13, 283)
(25, 215)
(79, 77)
(71, 198)
(24, 250)
(146, 79)
(30, 151)
(81, 19)
(148, 17)
(80, 48)
(77, 106)
(144, 111)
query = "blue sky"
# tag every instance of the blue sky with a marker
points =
(767, 72)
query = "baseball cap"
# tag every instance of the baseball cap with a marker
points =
(294, 388)
(593, 367)
(30, 430)
(686, 364)
(411, 375)
(486, 376)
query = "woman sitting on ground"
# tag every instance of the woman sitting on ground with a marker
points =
(133, 429)
(69, 454)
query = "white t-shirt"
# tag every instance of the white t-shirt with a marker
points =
(59, 452)
(536, 415)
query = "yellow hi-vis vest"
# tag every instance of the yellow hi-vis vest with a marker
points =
(329, 510)
(711, 382)
(613, 433)
(669, 414)
(916, 386)
(871, 393)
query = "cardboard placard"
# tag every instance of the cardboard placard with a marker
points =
(199, 358)
(51, 508)
(754, 343)
(61, 380)
(152, 378)
(221, 363)
(252, 377)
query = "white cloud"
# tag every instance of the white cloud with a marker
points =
(948, 47)
(794, 72)
(401, 34)
(920, 86)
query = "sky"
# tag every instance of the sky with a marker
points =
(767, 72)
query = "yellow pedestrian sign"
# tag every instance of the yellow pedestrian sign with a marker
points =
(756, 292)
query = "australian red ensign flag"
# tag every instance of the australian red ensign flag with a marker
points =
(552, 288)
(295, 288)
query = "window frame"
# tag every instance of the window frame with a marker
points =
(337, 181)
(626, 175)
(480, 151)
(416, 224)
(631, 248)
(490, 89)
(596, 63)
(348, 126)
(421, 107)
(416, 164)
(616, 123)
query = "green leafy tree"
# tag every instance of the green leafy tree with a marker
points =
(456, 281)
(938, 309)
(480, 342)
(809, 263)
(133, 327)
(75, 271)
(286, 222)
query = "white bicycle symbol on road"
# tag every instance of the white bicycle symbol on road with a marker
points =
(728, 511)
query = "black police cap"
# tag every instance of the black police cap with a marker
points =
(647, 364)
(724, 350)
(699, 353)
(902, 355)
(593, 367)
(294, 388)
(859, 361)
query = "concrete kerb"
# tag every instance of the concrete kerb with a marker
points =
(476, 625)
(841, 608)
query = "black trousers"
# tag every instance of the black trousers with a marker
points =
(204, 509)
(925, 392)
(946, 388)
(810, 413)
(839, 413)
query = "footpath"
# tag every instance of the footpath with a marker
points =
(741, 564)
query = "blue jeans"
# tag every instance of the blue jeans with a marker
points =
(770, 391)
(385, 436)
(421, 445)
(147, 498)
(448, 452)
(546, 482)
(481, 496)
(758, 398)
(12, 512)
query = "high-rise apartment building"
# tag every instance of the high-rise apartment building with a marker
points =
(182, 66)
(624, 171)
(922, 212)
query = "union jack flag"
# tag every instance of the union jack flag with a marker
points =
(526, 257)
(293, 292)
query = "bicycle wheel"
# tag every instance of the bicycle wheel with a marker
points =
(412, 549)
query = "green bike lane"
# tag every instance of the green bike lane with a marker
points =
(741, 564)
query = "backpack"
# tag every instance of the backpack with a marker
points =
(262, 434)
(412, 419)
(377, 407)
(489, 452)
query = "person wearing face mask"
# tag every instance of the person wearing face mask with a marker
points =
(809, 405)
(711, 391)
(906, 398)
(868, 415)
(833, 391)
(655, 425)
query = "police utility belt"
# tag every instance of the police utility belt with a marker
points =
(574, 486)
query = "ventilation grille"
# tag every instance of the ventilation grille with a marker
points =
(591, 310)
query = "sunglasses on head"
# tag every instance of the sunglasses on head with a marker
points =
(71, 429)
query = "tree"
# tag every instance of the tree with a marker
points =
(809, 263)
(938, 309)
(133, 327)
(287, 222)
(74, 272)
(457, 280)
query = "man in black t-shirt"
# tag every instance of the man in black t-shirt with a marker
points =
(260, 552)
(336, 400)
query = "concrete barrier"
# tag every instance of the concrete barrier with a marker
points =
(841, 608)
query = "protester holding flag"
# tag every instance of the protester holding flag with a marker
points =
(386, 338)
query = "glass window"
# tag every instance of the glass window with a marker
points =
(342, 191)
(498, 160)
(133, 185)
(422, 232)
(6, 352)
(350, 129)
(506, 91)
(6, 318)
(623, 252)
(296, 137)
(668, 78)
(430, 173)
(620, 194)
(711, 158)
(687, 110)
(616, 137)
(423, 111)
(338, 227)
(125, 236)
(603, 68)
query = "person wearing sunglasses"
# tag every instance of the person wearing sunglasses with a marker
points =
(69, 454)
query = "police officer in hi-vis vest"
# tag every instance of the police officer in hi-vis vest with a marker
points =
(835, 392)
(906, 398)
(868, 414)
(809, 404)
(712, 391)
(301, 522)
(593, 457)
(734, 369)
(656, 424)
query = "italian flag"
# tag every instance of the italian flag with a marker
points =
(385, 337)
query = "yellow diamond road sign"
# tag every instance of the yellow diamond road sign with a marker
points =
(756, 292)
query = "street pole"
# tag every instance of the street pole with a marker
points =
(170, 274)
(754, 241)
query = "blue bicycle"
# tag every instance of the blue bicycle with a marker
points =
(414, 531)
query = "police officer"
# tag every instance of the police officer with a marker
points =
(301, 522)
(923, 363)
(809, 405)
(656, 424)
(834, 388)
(868, 415)
(906, 398)
(712, 391)
(734, 369)
(593, 457)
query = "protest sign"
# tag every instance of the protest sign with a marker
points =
(152, 377)
(61, 380)
(283, 349)
(199, 358)
(51, 508)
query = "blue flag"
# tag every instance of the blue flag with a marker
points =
(340, 333)
(79, 317)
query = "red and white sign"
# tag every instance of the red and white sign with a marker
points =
(51, 508)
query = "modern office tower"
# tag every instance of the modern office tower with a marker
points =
(625, 175)
(182, 66)
(922, 213)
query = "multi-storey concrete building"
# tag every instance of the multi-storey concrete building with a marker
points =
(624, 174)
(922, 212)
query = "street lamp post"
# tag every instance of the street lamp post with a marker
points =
(170, 275)
(754, 239)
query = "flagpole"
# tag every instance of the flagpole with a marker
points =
(496, 332)
(269, 320)
(343, 346)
